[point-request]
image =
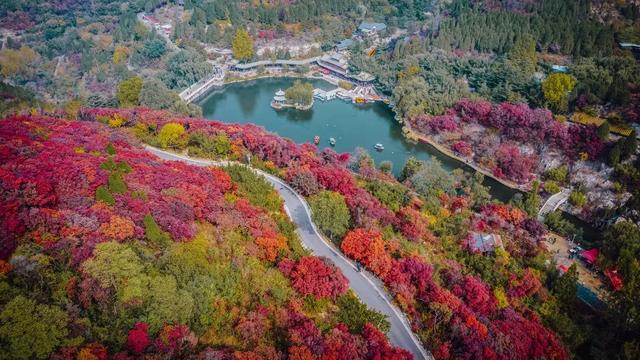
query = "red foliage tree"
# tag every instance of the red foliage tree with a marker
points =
(367, 247)
(138, 338)
(315, 276)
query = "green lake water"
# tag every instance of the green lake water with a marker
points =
(351, 125)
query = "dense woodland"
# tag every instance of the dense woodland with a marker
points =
(108, 252)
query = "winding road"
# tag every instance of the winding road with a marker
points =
(368, 288)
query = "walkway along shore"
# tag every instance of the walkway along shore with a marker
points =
(409, 133)
(368, 288)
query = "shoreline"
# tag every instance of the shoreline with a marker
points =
(411, 134)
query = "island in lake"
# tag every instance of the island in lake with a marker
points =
(299, 96)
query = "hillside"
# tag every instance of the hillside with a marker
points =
(458, 300)
(108, 251)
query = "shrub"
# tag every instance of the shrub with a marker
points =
(153, 232)
(116, 184)
(577, 198)
(355, 315)
(551, 187)
(110, 149)
(172, 135)
(103, 194)
(558, 174)
(116, 121)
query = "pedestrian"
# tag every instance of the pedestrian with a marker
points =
(358, 267)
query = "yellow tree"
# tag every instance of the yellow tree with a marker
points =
(242, 45)
(556, 89)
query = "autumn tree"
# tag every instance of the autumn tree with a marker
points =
(172, 135)
(31, 330)
(128, 92)
(138, 338)
(17, 62)
(367, 247)
(330, 213)
(315, 276)
(556, 88)
(242, 45)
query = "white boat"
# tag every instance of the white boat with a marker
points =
(332, 141)
(379, 147)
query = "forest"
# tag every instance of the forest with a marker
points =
(107, 252)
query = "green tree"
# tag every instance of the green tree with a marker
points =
(411, 167)
(355, 315)
(167, 304)
(31, 330)
(103, 194)
(532, 200)
(154, 49)
(555, 222)
(154, 233)
(330, 213)
(577, 198)
(184, 69)
(242, 45)
(621, 249)
(556, 88)
(409, 96)
(116, 183)
(566, 288)
(128, 92)
(523, 55)
(603, 130)
(155, 94)
(300, 93)
(431, 181)
(172, 135)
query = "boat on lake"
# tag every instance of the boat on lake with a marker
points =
(316, 139)
(379, 147)
(332, 141)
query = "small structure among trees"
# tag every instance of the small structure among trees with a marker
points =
(484, 243)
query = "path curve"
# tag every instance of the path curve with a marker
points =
(369, 289)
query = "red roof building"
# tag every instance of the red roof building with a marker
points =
(614, 277)
(590, 256)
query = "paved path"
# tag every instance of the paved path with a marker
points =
(554, 202)
(367, 287)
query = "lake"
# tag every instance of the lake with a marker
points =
(353, 126)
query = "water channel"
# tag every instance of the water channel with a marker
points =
(351, 125)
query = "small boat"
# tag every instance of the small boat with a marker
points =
(379, 147)
(332, 141)
(316, 139)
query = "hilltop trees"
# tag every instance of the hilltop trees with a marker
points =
(242, 45)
